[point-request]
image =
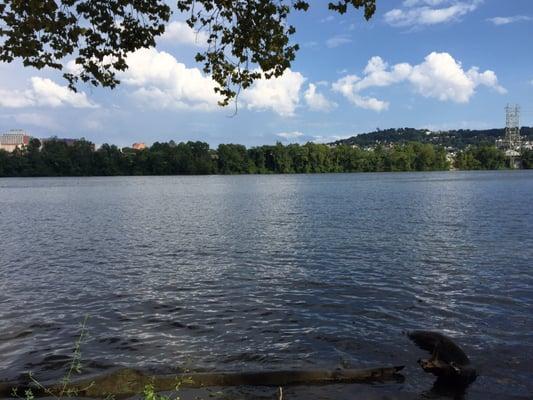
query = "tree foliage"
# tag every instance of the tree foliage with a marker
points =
(527, 159)
(244, 36)
(480, 157)
(98, 33)
(244, 33)
(57, 158)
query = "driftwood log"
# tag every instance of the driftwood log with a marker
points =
(128, 382)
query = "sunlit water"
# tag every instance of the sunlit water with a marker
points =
(268, 272)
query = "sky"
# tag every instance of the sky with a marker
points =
(435, 64)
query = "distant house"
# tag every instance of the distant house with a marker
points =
(450, 158)
(138, 146)
(14, 139)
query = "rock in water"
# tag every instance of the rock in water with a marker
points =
(448, 361)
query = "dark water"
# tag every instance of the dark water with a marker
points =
(269, 272)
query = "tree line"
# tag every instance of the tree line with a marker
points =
(57, 158)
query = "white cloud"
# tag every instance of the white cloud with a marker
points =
(338, 40)
(16, 98)
(290, 135)
(44, 92)
(377, 75)
(531, 82)
(162, 81)
(347, 87)
(51, 94)
(317, 101)
(181, 33)
(73, 68)
(42, 120)
(429, 12)
(509, 20)
(439, 76)
(281, 94)
(329, 139)
(487, 78)
(432, 3)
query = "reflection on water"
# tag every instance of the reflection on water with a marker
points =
(268, 272)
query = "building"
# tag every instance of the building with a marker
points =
(14, 139)
(138, 146)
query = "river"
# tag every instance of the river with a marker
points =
(228, 273)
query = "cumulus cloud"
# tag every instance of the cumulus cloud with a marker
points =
(439, 76)
(44, 92)
(338, 40)
(509, 20)
(429, 12)
(162, 81)
(317, 101)
(347, 87)
(181, 33)
(16, 98)
(281, 94)
(290, 135)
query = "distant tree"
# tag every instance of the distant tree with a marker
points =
(527, 159)
(18, 162)
(318, 157)
(108, 160)
(480, 157)
(257, 158)
(402, 158)
(232, 159)
(56, 158)
(35, 159)
(300, 158)
(490, 157)
(242, 35)
(5, 169)
(203, 163)
(81, 154)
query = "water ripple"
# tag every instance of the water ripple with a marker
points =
(267, 272)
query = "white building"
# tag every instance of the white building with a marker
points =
(14, 139)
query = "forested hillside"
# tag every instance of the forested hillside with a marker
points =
(454, 139)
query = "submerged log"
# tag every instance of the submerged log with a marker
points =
(127, 382)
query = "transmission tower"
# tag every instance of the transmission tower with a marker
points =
(512, 141)
(512, 126)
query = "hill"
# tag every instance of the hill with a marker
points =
(452, 140)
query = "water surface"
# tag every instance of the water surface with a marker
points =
(268, 272)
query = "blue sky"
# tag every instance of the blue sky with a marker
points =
(436, 64)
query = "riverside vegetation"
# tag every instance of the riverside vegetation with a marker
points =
(131, 382)
(56, 158)
(66, 389)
